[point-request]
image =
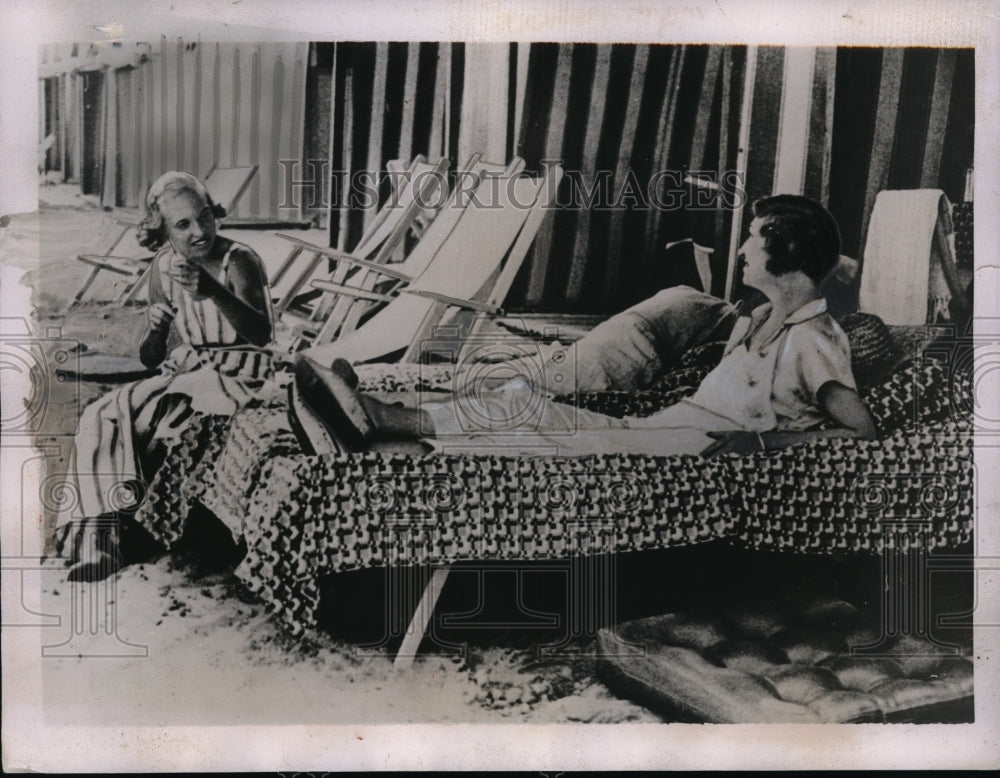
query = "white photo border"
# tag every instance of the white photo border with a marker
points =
(28, 744)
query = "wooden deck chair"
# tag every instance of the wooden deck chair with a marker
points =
(349, 310)
(127, 258)
(418, 186)
(375, 286)
(227, 185)
(472, 269)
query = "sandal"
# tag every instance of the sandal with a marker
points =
(100, 566)
(97, 555)
(309, 429)
(331, 393)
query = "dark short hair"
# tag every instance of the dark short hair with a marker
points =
(799, 234)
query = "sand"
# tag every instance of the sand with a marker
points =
(164, 642)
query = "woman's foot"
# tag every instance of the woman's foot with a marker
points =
(331, 393)
(354, 420)
(102, 565)
(97, 555)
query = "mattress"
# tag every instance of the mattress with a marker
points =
(817, 660)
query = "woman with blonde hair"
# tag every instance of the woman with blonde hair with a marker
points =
(209, 299)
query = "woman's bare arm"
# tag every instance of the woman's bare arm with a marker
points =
(245, 305)
(153, 348)
(841, 404)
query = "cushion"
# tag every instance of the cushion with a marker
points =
(629, 350)
(787, 660)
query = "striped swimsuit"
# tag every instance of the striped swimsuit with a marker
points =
(213, 370)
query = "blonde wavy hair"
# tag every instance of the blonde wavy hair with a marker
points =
(151, 232)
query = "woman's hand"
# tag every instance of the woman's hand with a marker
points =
(189, 276)
(153, 348)
(841, 404)
(160, 316)
(733, 442)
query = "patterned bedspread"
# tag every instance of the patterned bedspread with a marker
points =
(304, 516)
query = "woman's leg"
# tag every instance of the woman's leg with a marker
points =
(514, 408)
(519, 420)
(104, 478)
(393, 421)
(569, 431)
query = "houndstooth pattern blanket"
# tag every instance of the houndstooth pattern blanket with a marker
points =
(304, 516)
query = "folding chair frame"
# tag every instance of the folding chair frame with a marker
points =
(498, 282)
(383, 251)
(492, 305)
(355, 300)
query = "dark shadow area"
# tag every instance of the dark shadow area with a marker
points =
(528, 603)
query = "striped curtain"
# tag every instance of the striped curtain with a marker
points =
(841, 125)
(838, 125)
(904, 119)
(390, 101)
(620, 117)
(613, 115)
(632, 124)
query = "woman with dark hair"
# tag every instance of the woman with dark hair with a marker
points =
(209, 297)
(785, 376)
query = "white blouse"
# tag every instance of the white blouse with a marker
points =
(776, 385)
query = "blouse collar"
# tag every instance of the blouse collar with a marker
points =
(758, 315)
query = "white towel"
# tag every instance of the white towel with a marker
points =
(902, 280)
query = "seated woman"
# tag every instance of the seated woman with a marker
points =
(786, 371)
(213, 293)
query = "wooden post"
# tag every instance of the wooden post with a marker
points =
(623, 170)
(937, 124)
(421, 620)
(405, 149)
(890, 86)
(742, 153)
(661, 155)
(793, 129)
(255, 105)
(553, 150)
(589, 171)
(377, 120)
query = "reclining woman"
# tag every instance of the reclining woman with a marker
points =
(785, 373)
(213, 293)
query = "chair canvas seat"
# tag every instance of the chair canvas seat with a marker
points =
(350, 294)
(381, 242)
(471, 269)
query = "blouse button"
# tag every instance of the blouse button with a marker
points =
(751, 381)
(756, 414)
